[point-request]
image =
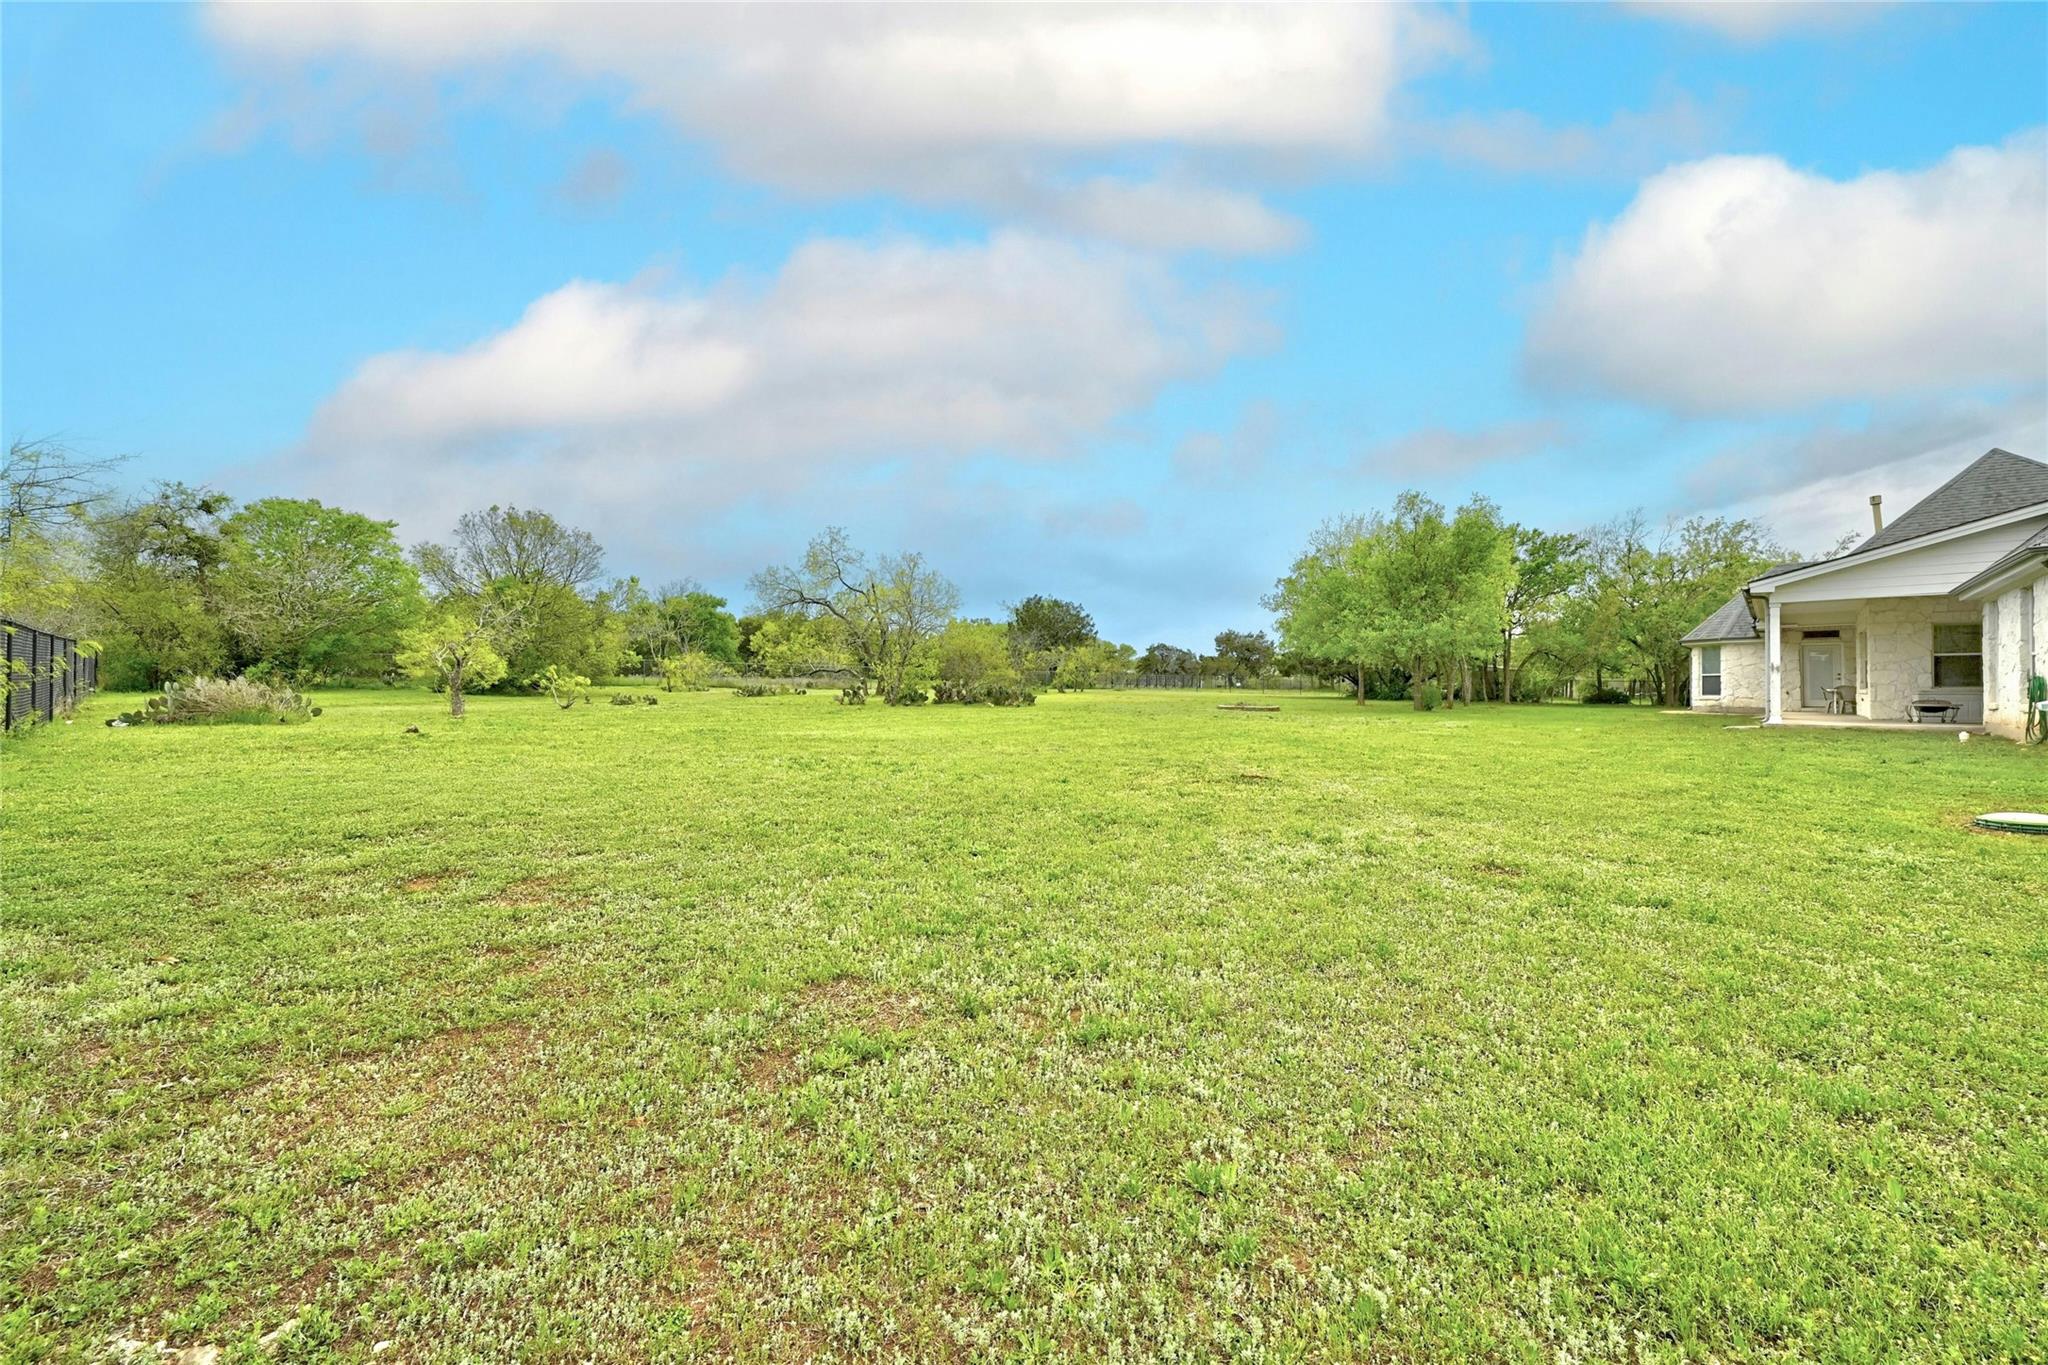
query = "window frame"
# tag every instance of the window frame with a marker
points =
(1939, 654)
(1715, 673)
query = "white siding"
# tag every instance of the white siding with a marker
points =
(1932, 571)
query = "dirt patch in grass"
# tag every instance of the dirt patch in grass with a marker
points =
(548, 890)
(432, 881)
(856, 1001)
(769, 1068)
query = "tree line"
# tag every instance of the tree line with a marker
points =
(1418, 602)
(183, 582)
(1440, 606)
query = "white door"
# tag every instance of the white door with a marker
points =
(1820, 667)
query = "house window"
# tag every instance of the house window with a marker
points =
(1710, 670)
(1959, 654)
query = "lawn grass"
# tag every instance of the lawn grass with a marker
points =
(1119, 1026)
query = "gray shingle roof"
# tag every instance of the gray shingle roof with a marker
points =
(1787, 567)
(1731, 621)
(1997, 481)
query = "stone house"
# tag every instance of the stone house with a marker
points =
(1941, 614)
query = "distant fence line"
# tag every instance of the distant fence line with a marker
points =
(1042, 677)
(1200, 682)
(45, 673)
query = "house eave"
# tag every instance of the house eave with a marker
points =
(2009, 572)
(1768, 584)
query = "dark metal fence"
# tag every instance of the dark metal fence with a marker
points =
(45, 674)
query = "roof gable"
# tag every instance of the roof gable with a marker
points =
(1996, 482)
(1730, 621)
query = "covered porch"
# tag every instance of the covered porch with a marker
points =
(1876, 662)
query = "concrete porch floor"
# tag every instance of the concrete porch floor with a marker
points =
(1871, 723)
(1824, 719)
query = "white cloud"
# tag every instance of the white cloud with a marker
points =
(1438, 452)
(893, 351)
(1756, 21)
(1740, 284)
(1813, 486)
(1630, 143)
(1002, 107)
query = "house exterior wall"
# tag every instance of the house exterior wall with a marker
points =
(1930, 571)
(2015, 649)
(1742, 677)
(1898, 664)
(1788, 671)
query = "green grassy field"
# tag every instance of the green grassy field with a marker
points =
(1115, 1027)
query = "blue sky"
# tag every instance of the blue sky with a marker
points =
(1110, 305)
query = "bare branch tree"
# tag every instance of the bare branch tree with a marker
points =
(46, 486)
(885, 610)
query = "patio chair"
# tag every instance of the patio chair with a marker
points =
(1938, 709)
(1842, 700)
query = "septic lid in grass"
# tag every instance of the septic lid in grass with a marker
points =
(2015, 821)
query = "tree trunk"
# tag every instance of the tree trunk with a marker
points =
(1466, 669)
(1415, 681)
(1507, 666)
(1361, 682)
(455, 702)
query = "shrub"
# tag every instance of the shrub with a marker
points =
(907, 696)
(1432, 696)
(628, 699)
(565, 688)
(758, 687)
(1606, 696)
(223, 701)
(856, 695)
(984, 694)
(689, 671)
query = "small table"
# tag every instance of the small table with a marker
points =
(1934, 709)
(1841, 700)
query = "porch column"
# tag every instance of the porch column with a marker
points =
(1774, 665)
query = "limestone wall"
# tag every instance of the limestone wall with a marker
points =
(1897, 635)
(1742, 678)
(2007, 665)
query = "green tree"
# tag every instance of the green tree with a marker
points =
(698, 621)
(1164, 658)
(150, 589)
(885, 612)
(1546, 568)
(312, 590)
(455, 647)
(1043, 630)
(1655, 585)
(1417, 590)
(681, 618)
(970, 655)
(1248, 654)
(48, 494)
(534, 576)
(785, 644)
